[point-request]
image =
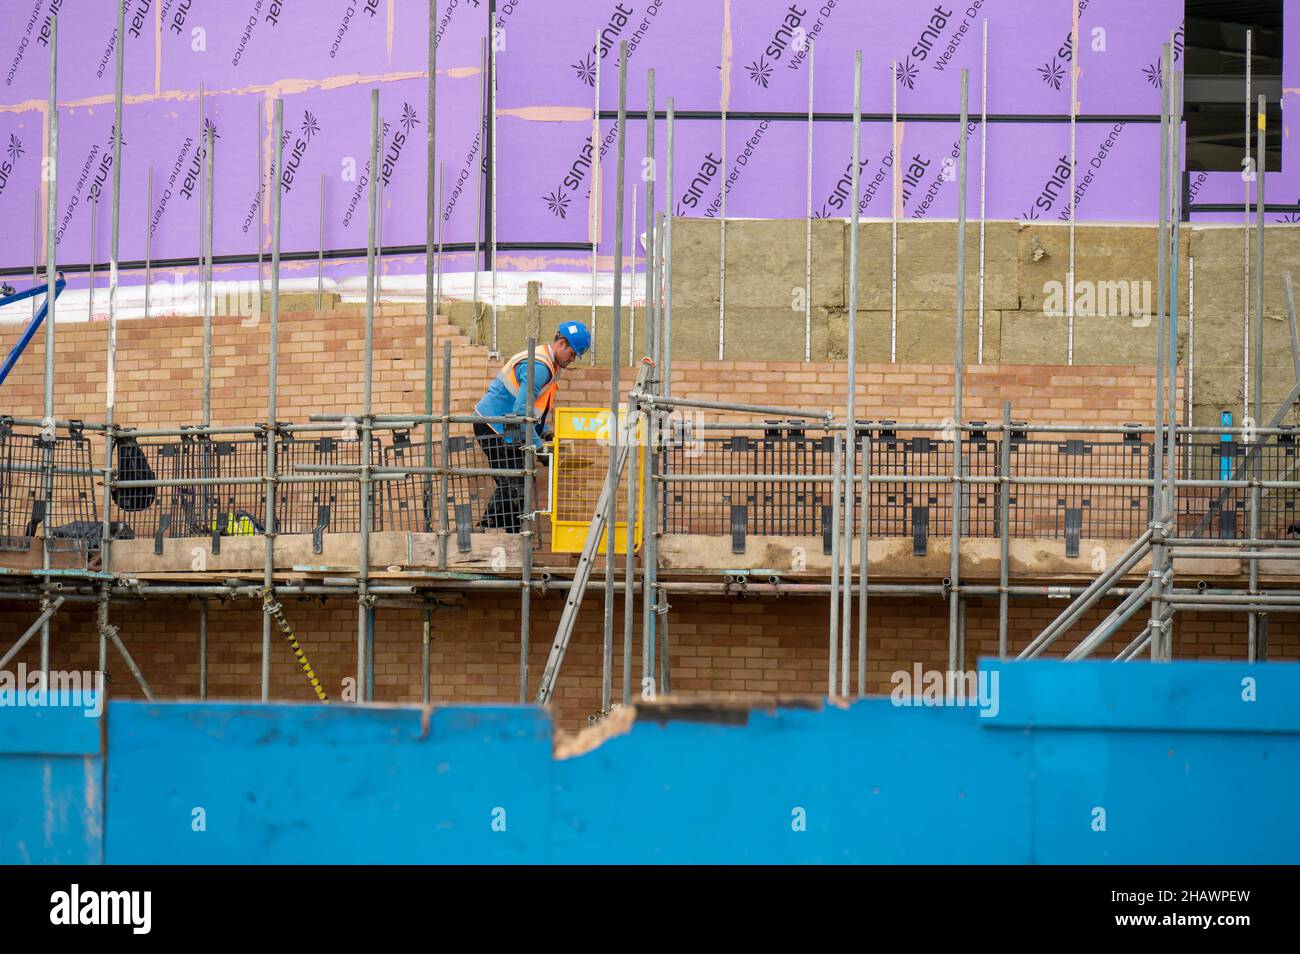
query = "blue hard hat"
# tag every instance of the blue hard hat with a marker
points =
(576, 334)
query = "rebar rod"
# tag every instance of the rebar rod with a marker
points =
(479, 166)
(651, 171)
(629, 574)
(666, 359)
(863, 557)
(1250, 174)
(984, 150)
(808, 221)
(495, 191)
(148, 240)
(320, 248)
(895, 209)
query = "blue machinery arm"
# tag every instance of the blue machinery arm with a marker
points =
(35, 324)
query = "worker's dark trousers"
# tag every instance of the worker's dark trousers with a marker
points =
(507, 504)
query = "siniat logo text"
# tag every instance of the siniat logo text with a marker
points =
(1051, 189)
(43, 38)
(13, 152)
(406, 125)
(761, 69)
(933, 27)
(138, 17)
(695, 190)
(178, 14)
(309, 129)
(614, 29)
(105, 166)
(842, 192)
(619, 27)
(557, 202)
(195, 170)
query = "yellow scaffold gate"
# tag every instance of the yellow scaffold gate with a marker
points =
(580, 451)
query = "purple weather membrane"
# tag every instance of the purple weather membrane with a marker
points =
(551, 52)
(461, 27)
(22, 144)
(1217, 188)
(766, 167)
(249, 42)
(87, 53)
(545, 168)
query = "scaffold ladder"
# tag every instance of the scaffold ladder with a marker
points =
(587, 560)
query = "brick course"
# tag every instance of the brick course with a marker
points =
(749, 646)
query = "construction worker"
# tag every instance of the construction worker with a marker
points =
(507, 394)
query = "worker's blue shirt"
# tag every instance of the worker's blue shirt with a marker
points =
(497, 401)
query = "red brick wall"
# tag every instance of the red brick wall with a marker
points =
(751, 646)
(719, 643)
(321, 359)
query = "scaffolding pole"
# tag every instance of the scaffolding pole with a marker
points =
(106, 630)
(432, 216)
(595, 196)
(1004, 531)
(850, 403)
(808, 221)
(273, 359)
(611, 502)
(650, 594)
(526, 531)
(51, 276)
(1158, 563)
(837, 502)
(1257, 623)
(364, 600)
(959, 366)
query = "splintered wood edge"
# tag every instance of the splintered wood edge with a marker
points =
(718, 708)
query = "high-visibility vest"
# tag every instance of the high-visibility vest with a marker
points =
(500, 398)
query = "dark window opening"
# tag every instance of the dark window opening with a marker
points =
(1214, 70)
